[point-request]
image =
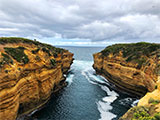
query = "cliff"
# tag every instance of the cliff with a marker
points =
(131, 67)
(29, 73)
(148, 107)
(134, 68)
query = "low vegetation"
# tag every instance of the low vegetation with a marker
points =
(35, 51)
(17, 53)
(142, 113)
(153, 101)
(5, 40)
(53, 62)
(5, 60)
(135, 52)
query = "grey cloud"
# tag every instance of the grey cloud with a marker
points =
(105, 20)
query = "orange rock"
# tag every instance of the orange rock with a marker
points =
(26, 87)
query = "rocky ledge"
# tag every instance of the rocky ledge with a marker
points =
(29, 73)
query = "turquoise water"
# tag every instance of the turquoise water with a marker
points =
(88, 96)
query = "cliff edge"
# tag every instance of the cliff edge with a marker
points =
(134, 68)
(131, 67)
(29, 73)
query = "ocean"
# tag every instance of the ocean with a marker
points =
(87, 96)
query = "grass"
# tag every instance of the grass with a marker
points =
(134, 52)
(131, 50)
(53, 62)
(46, 50)
(17, 53)
(54, 50)
(5, 60)
(142, 113)
(153, 101)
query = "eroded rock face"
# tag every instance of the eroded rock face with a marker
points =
(29, 77)
(134, 68)
(130, 73)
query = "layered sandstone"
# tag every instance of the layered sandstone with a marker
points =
(148, 107)
(131, 67)
(134, 68)
(29, 73)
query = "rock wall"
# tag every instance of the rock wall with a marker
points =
(148, 107)
(25, 87)
(134, 68)
(127, 75)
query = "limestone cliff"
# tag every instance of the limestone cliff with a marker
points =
(131, 67)
(148, 107)
(29, 72)
(134, 68)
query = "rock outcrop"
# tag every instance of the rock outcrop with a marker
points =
(134, 68)
(29, 73)
(148, 107)
(131, 67)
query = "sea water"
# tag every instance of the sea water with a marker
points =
(87, 96)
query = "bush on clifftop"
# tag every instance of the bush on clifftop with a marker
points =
(135, 52)
(5, 40)
(17, 53)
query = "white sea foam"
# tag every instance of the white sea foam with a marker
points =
(70, 79)
(81, 65)
(104, 111)
(104, 105)
(135, 103)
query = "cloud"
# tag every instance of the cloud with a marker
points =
(105, 20)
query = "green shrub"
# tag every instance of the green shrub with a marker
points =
(132, 52)
(5, 40)
(140, 114)
(157, 116)
(156, 86)
(5, 60)
(153, 101)
(46, 50)
(35, 51)
(53, 62)
(18, 54)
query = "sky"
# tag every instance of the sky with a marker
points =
(81, 22)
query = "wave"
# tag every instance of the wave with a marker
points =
(69, 79)
(103, 105)
(104, 108)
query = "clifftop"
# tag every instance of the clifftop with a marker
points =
(29, 72)
(137, 53)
